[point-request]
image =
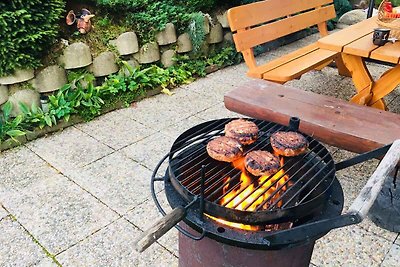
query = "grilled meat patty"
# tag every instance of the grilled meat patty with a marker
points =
(243, 130)
(224, 149)
(289, 144)
(261, 162)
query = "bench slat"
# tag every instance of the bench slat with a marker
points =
(273, 64)
(335, 122)
(271, 31)
(267, 11)
(295, 68)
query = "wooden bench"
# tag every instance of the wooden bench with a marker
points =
(261, 22)
(335, 122)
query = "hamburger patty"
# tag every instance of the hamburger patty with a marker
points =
(289, 144)
(246, 132)
(224, 149)
(261, 162)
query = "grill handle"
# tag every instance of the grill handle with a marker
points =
(357, 211)
(158, 229)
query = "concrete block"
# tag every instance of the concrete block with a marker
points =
(127, 43)
(228, 37)
(3, 94)
(216, 34)
(184, 43)
(167, 36)
(50, 79)
(223, 19)
(18, 77)
(167, 58)
(133, 63)
(206, 24)
(27, 96)
(76, 55)
(104, 64)
(148, 53)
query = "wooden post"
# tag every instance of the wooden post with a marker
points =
(369, 193)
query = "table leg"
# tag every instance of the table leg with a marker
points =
(386, 84)
(362, 80)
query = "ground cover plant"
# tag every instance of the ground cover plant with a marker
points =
(82, 98)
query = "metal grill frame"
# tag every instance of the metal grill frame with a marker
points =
(202, 133)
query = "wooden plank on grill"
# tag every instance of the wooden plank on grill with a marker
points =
(337, 41)
(330, 120)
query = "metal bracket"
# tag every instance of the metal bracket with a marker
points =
(379, 152)
(306, 231)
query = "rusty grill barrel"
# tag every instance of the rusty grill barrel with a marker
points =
(309, 177)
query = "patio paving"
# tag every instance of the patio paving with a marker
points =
(80, 197)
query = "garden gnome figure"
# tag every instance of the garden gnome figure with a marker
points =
(82, 21)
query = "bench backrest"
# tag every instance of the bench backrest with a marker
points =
(268, 20)
(264, 21)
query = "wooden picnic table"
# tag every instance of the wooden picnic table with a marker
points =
(355, 45)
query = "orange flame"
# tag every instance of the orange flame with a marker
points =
(251, 194)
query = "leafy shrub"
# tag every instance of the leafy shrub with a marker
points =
(27, 29)
(150, 16)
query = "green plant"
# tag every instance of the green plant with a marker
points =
(10, 127)
(196, 30)
(27, 30)
(35, 117)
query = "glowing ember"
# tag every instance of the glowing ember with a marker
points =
(249, 195)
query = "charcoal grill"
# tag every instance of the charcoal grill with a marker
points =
(310, 176)
(311, 202)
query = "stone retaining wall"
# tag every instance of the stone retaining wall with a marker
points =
(27, 86)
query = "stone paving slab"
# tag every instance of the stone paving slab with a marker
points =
(124, 131)
(46, 262)
(69, 149)
(392, 259)
(3, 213)
(116, 180)
(155, 113)
(351, 188)
(177, 129)
(150, 150)
(350, 246)
(17, 247)
(56, 211)
(114, 246)
(146, 214)
(218, 112)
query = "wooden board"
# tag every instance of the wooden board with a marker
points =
(330, 120)
(336, 41)
(388, 53)
(245, 16)
(273, 64)
(295, 68)
(274, 30)
(361, 47)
